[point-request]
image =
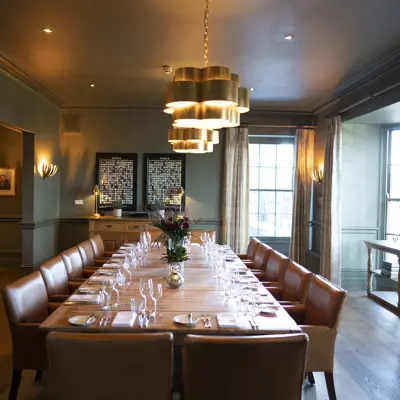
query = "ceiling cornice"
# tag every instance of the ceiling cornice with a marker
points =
(16, 73)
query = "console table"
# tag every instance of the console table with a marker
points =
(388, 298)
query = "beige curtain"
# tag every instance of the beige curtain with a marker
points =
(331, 215)
(302, 195)
(236, 189)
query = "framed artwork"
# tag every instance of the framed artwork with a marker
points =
(7, 181)
(164, 174)
(116, 176)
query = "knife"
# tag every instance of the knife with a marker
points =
(190, 318)
(146, 323)
(90, 319)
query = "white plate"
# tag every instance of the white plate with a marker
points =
(184, 320)
(80, 320)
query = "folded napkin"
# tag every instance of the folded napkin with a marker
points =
(124, 318)
(98, 278)
(248, 280)
(118, 255)
(263, 300)
(227, 320)
(112, 265)
(92, 298)
(126, 247)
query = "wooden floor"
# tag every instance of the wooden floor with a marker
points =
(367, 355)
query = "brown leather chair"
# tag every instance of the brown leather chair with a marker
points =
(275, 269)
(244, 367)
(87, 253)
(251, 250)
(129, 366)
(260, 260)
(320, 321)
(55, 278)
(27, 306)
(74, 265)
(292, 294)
(100, 255)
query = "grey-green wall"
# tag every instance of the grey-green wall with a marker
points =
(130, 131)
(30, 112)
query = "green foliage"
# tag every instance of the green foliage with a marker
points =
(177, 254)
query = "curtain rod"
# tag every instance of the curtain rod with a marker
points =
(280, 126)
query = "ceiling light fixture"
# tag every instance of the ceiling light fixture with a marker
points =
(202, 100)
(47, 30)
(289, 37)
(251, 89)
(92, 85)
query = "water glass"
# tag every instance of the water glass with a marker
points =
(106, 293)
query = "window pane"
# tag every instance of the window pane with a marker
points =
(393, 217)
(268, 155)
(254, 154)
(285, 155)
(267, 203)
(284, 202)
(253, 177)
(395, 182)
(395, 148)
(284, 178)
(267, 225)
(253, 202)
(253, 231)
(283, 225)
(267, 178)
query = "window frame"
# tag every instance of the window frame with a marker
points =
(275, 139)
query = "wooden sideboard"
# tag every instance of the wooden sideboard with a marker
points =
(116, 231)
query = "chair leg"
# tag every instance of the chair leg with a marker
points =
(310, 377)
(38, 375)
(330, 385)
(16, 379)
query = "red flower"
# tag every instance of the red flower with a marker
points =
(186, 219)
(185, 225)
(170, 219)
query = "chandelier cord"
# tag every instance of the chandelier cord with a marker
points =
(206, 14)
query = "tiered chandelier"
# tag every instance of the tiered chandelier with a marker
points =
(202, 100)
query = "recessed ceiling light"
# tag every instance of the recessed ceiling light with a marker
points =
(47, 30)
(252, 89)
(289, 37)
(92, 85)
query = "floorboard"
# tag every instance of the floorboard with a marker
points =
(367, 363)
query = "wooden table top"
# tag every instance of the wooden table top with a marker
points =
(201, 294)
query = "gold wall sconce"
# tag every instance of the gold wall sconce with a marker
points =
(180, 192)
(47, 170)
(96, 192)
(318, 175)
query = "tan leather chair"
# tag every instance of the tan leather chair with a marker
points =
(128, 366)
(74, 265)
(260, 260)
(244, 367)
(55, 278)
(251, 250)
(26, 304)
(321, 317)
(87, 253)
(275, 269)
(100, 255)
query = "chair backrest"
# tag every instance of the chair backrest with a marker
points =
(276, 267)
(252, 247)
(244, 367)
(136, 366)
(73, 262)
(296, 283)
(261, 257)
(324, 303)
(55, 276)
(25, 300)
(97, 245)
(87, 253)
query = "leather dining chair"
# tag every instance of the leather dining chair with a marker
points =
(74, 265)
(100, 255)
(27, 306)
(320, 321)
(251, 250)
(87, 253)
(55, 278)
(275, 269)
(244, 367)
(132, 366)
(260, 260)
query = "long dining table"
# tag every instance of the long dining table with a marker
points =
(202, 294)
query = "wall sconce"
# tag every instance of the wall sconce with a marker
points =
(318, 175)
(96, 192)
(47, 170)
(180, 192)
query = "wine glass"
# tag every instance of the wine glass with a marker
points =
(114, 283)
(156, 294)
(144, 290)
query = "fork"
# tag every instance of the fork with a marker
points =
(208, 321)
(254, 323)
(204, 320)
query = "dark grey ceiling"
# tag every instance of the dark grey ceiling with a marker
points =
(383, 116)
(120, 45)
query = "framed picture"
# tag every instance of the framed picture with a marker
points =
(7, 181)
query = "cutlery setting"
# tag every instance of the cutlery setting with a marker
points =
(206, 321)
(105, 321)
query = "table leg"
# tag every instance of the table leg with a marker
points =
(369, 287)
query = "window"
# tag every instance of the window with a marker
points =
(271, 186)
(393, 186)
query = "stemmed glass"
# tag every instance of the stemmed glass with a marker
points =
(107, 289)
(114, 283)
(156, 294)
(144, 290)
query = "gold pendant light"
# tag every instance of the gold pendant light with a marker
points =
(202, 100)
